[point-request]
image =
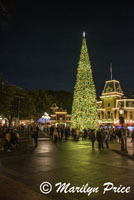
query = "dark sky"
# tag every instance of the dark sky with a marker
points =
(40, 43)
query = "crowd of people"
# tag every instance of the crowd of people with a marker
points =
(102, 135)
(9, 137)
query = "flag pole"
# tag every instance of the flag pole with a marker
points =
(111, 71)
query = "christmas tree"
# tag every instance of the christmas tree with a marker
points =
(84, 109)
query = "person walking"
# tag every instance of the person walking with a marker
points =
(92, 137)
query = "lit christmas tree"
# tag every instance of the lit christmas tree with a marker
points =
(84, 109)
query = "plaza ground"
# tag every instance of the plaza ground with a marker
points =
(23, 170)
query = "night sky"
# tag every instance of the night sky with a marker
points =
(40, 43)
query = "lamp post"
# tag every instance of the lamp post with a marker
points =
(123, 131)
(18, 111)
(126, 140)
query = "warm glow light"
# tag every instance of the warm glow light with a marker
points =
(121, 111)
(3, 121)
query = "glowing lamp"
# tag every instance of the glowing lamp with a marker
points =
(121, 111)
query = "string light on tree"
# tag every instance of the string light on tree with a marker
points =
(84, 108)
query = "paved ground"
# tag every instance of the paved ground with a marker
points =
(13, 190)
(70, 162)
(130, 146)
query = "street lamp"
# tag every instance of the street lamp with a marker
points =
(123, 131)
(18, 112)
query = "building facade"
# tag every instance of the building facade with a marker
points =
(59, 117)
(111, 102)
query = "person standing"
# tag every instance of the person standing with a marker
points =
(51, 132)
(107, 140)
(102, 137)
(55, 135)
(66, 134)
(36, 134)
(62, 133)
(59, 134)
(99, 139)
(8, 140)
(92, 137)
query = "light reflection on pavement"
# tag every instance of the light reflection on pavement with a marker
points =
(73, 162)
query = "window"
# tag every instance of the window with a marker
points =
(108, 114)
(130, 104)
(108, 105)
(130, 115)
(109, 89)
(120, 104)
(105, 115)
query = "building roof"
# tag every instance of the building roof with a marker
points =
(54, 107)
(112, 87)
